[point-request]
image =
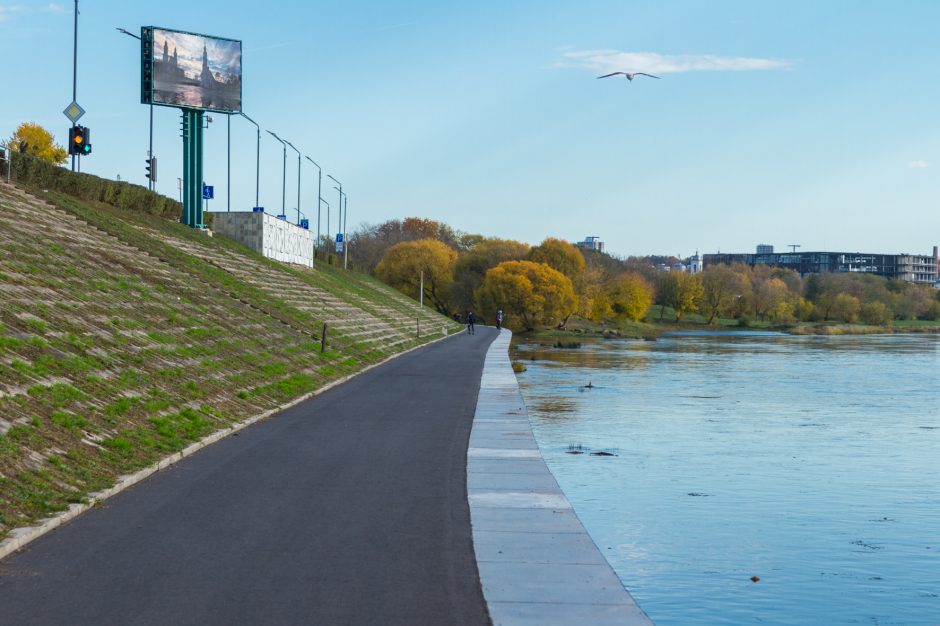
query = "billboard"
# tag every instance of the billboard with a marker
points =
(181, 69)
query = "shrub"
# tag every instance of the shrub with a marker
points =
(876, 314)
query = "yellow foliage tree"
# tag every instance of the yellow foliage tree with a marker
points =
(559, 255)
(38, 142)
(531, 295)
(402, 264)
(629, 297)
(682, 291)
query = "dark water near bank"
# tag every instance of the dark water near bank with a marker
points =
(810, 462)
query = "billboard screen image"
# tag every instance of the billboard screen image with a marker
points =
(196, 71)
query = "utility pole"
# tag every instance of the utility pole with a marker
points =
(793, 246)
(75, 73)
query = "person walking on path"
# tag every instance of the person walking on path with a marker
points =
(499, 319)
(471, 320)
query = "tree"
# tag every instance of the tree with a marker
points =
(473, 264)
(567, 259)
(531, 294)
(681, 291)
(38, 142)
(559, 255)
(846, 308)
(721, 286)
(768, 296)
(629, 297)
(402, 264)
(876, 314)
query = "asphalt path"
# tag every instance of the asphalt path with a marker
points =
(350, 508)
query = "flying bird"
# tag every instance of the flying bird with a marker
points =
(628, 75)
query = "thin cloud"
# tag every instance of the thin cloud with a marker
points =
(653, 62)
(920, 164)
(7, 12)
(52, 7)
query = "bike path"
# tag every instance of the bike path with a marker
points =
(349, 508)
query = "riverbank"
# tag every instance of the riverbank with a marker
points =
(650, 331)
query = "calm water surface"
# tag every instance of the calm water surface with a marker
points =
(811, 462)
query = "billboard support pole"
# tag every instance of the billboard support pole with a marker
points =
(192, 168)
(228, 175)
(75, 69)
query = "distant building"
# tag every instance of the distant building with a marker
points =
(763, 248)
(912, 268)
(591, 244)
(694, 265)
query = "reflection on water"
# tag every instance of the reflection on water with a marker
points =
(810, 462)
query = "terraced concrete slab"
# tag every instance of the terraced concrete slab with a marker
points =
(537, 563)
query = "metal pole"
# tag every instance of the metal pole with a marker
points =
(150, 183)
(421, 293)
(319, 201)
(75, 68)
(294, 148)
(257, 157)
(340, 189)
(345, 238)
(228, 174)
(283, 175)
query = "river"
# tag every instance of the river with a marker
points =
(811, 463)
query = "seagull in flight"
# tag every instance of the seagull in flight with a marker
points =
(628, 75)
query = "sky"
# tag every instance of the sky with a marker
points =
(796, 122)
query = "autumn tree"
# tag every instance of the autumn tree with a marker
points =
(473, 264)
(681, 291)
(371, 241)
(35, 140)
(846, 308)
(559, 255)
(768, 296)
(629, 297)
(402, 264)
(722, 286)
(531, 294)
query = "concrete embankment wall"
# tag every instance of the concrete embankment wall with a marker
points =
(537, 563)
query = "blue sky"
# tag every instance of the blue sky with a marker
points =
(798, 122)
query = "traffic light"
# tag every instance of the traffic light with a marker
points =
(152, 169)
(79, 140)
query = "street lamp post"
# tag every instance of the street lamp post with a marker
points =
(257, 157)
(345, 237)
(327, 218)
(340, 188)
(319, 198)
(283, 176)
(298, 179)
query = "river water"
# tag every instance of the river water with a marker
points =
(812, 463)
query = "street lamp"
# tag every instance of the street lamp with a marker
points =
(345, 238)
(257, 157)
(298, 179)
(319, 198)
(340, 209)
(327, 218)
(284, 175)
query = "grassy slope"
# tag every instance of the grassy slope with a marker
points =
(124, 338)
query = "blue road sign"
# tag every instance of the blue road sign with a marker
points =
(258, 209)
(208, 192)
(305, 224)
(339, 237)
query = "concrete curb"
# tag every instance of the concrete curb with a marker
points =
(536, 561)
(20, 537)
